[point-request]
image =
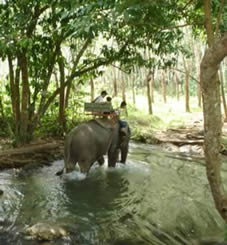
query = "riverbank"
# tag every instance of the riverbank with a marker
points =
(185, 138)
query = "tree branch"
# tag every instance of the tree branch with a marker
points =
(175, 69)
(221, 7)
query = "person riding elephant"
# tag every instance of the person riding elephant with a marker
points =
(90, 141)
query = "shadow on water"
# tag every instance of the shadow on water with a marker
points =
(156, 198)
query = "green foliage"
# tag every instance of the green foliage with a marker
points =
(47, 31)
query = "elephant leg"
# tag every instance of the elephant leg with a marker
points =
(101, 160)
(124, 154)
(124, 148)
(112, 158)
(69, 167)
(85, 166)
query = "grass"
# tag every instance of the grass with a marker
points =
(165, 115)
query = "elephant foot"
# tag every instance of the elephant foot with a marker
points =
(111, 165)
(101, 161)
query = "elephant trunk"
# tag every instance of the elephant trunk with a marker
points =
(124, 153)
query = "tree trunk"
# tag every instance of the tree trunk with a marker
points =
(186, 87)
(25, 135)
(68, 89)
(115, 83)
(164, 87)
(61, 115)
(1, 108)
(92, 89)
(223, 94)
(123, 89)
(149, 92)
(152, 86)
(123, 93)
(199, 94)
(43, 153)
(212, 120)
(133, 91)
(177, 87)
(12, 86)
(198, 56)
(17, 98)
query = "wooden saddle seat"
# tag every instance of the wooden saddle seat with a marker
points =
(101, 110)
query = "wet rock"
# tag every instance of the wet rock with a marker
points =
(45, 232)
(169, 147)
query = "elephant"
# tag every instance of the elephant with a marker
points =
(91, 140)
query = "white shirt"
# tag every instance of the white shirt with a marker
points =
(99, 99)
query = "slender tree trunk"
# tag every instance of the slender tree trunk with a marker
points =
(1, 108)
(92, 89)
(164, 87)
(177, 82)
(123, 89)
(152, 85)
(133, 91)
(25, 135)
(68, 90)
(15, 95)
(12, 86)
(186, 87)
(2, 114)
(115, 83)
(223, 94)
(17, 98)
(199, 94)
(208, 22)
(198, 56)
(149, 92)
(123, 93)
(61, 115)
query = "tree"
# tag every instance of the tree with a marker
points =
(212, 120)
(186, 86)
(38, 53)
(149, 79)
(35, 33)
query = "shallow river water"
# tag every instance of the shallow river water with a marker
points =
(157, 198)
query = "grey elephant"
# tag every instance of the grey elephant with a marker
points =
(90, 141)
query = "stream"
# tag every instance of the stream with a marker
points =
(157, 198)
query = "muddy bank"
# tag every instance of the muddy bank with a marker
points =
(41, 153)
